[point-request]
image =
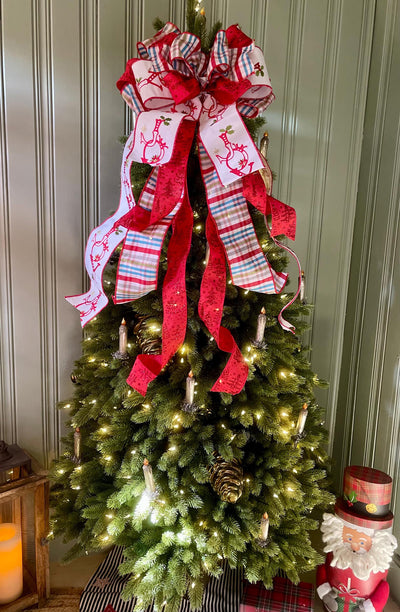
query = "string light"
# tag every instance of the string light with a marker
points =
(92, 359)
(61, 471)
(67, 406)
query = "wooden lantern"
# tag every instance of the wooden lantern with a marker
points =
(24, 525)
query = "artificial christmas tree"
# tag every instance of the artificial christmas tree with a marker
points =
(182, 458)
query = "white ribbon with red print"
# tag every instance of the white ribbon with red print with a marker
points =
(102, 241)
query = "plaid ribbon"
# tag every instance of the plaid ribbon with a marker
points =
(283, 597)
(369, 485)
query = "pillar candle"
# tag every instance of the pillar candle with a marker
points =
(123, 337)
(190, 383)
(11, 573)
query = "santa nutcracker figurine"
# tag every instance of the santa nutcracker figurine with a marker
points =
(359, 544)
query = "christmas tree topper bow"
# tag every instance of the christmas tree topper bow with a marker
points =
(174, 88)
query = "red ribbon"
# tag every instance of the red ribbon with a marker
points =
(212, 295)
(147, 367)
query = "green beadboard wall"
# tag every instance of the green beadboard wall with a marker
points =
(334, 67)
(368, 411)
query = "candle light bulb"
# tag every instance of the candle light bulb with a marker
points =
(301, 421)
(264, 145)
(302, 281)
(264, 526)
(190, 384)
(123, 336)
(207, 257)
(148, 476)
(77, 446)
(261, 322)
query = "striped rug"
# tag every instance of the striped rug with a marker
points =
(105, 587)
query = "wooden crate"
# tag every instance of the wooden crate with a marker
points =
(26, 502)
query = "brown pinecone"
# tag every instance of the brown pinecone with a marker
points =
(150, 346)
(226, 478)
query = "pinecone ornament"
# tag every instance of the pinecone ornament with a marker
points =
(150, 346)
(226, 478)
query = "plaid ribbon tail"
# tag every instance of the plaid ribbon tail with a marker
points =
(248, 267)
(102, 242)
(147, 367)
(138, 263)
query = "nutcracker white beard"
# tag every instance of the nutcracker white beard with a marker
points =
(376, 559)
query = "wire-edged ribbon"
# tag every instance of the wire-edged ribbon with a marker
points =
(174, 88)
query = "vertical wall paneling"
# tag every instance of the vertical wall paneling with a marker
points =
(68, 189)
(89, 60)
(366, 327)
(354, 40)
(133, 32)
(393, 464)
(290, 93)
(44, 164)
(23, 190)
(111, 64)
(368, 416)
(8, 420)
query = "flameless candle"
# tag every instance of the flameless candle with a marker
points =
(207, 254)
(261, 322)
(77, 445)
(123, 337)
(190, 383)
(11, 581)
(148, 476)
(264, 526)
(302, 287)
(301, 421)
